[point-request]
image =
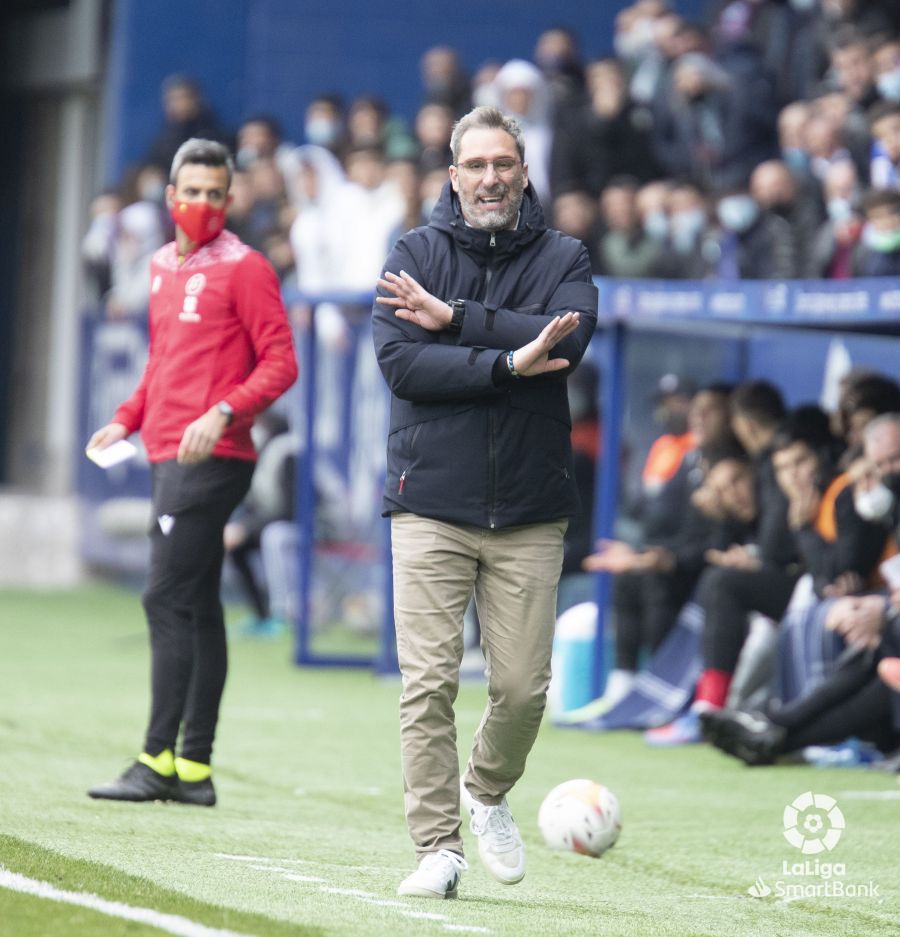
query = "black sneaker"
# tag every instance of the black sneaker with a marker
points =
(140, 782)
(197, 793)
(751, 737)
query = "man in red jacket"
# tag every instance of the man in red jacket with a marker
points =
(220, 352)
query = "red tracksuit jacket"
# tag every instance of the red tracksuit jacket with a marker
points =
(218, 331)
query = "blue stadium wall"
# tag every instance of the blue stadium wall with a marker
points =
(273, 56)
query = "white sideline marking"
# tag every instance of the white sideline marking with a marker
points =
(173, 923)
(265, 864)
(352, 892)
(333, 865)
(361, 791)
(424, 915)
(870, 795)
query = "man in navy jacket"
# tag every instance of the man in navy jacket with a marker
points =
(480, 316)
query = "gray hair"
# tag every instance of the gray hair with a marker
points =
(204, 153)
(492, 118)
(882, 421)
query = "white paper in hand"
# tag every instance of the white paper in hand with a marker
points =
(120, 451)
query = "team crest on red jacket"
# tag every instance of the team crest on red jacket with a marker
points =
(194, 286)
(192, 290)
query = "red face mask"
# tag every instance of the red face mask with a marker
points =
(200, 221)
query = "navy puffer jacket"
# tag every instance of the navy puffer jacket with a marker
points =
(461, 447)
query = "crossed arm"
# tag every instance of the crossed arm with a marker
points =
(413, 303)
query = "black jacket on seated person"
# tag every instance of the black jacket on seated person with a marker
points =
(857, 547)
(774, 538)
(469, 443)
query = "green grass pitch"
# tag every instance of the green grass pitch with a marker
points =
(309, 838)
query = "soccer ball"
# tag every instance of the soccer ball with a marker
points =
(580, 816)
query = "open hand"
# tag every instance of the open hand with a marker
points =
(413, 302)
(534, 358)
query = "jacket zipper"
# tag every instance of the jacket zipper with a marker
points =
(405, 472)
(492, 470)
(492, 455)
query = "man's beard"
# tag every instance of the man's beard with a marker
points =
(478, 215)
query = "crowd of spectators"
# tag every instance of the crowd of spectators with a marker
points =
(760, 142)
(777, 521)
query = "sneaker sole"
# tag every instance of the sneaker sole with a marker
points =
(413, 892)
(464, 798)
(504, 880)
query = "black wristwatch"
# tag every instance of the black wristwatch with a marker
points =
(459, 312)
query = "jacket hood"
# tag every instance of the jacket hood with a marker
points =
(447, 216)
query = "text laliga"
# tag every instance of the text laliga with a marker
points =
(821, 869)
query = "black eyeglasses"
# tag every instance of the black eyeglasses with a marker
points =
(478, 167)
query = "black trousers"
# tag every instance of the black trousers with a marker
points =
(851, 701)
(189, 658)
(646, 607)
(727, 597)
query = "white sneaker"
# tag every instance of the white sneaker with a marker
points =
(437, 876)
(499, 843)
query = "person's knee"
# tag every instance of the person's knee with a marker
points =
(519, 695)
(712, 584)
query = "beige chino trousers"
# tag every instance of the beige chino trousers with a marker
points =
(514, 573)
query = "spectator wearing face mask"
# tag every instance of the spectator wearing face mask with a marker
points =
(651, 204)
(880, 252)
(324, 123)
(626, 250)
(753, 244)
(776, 190)
(791, 125)
(886, 68)
(838, 547)
(835, 242)
(688, 231)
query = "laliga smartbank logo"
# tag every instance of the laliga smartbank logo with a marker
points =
(814, 824)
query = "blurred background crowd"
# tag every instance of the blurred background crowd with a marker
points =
(760, 142)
